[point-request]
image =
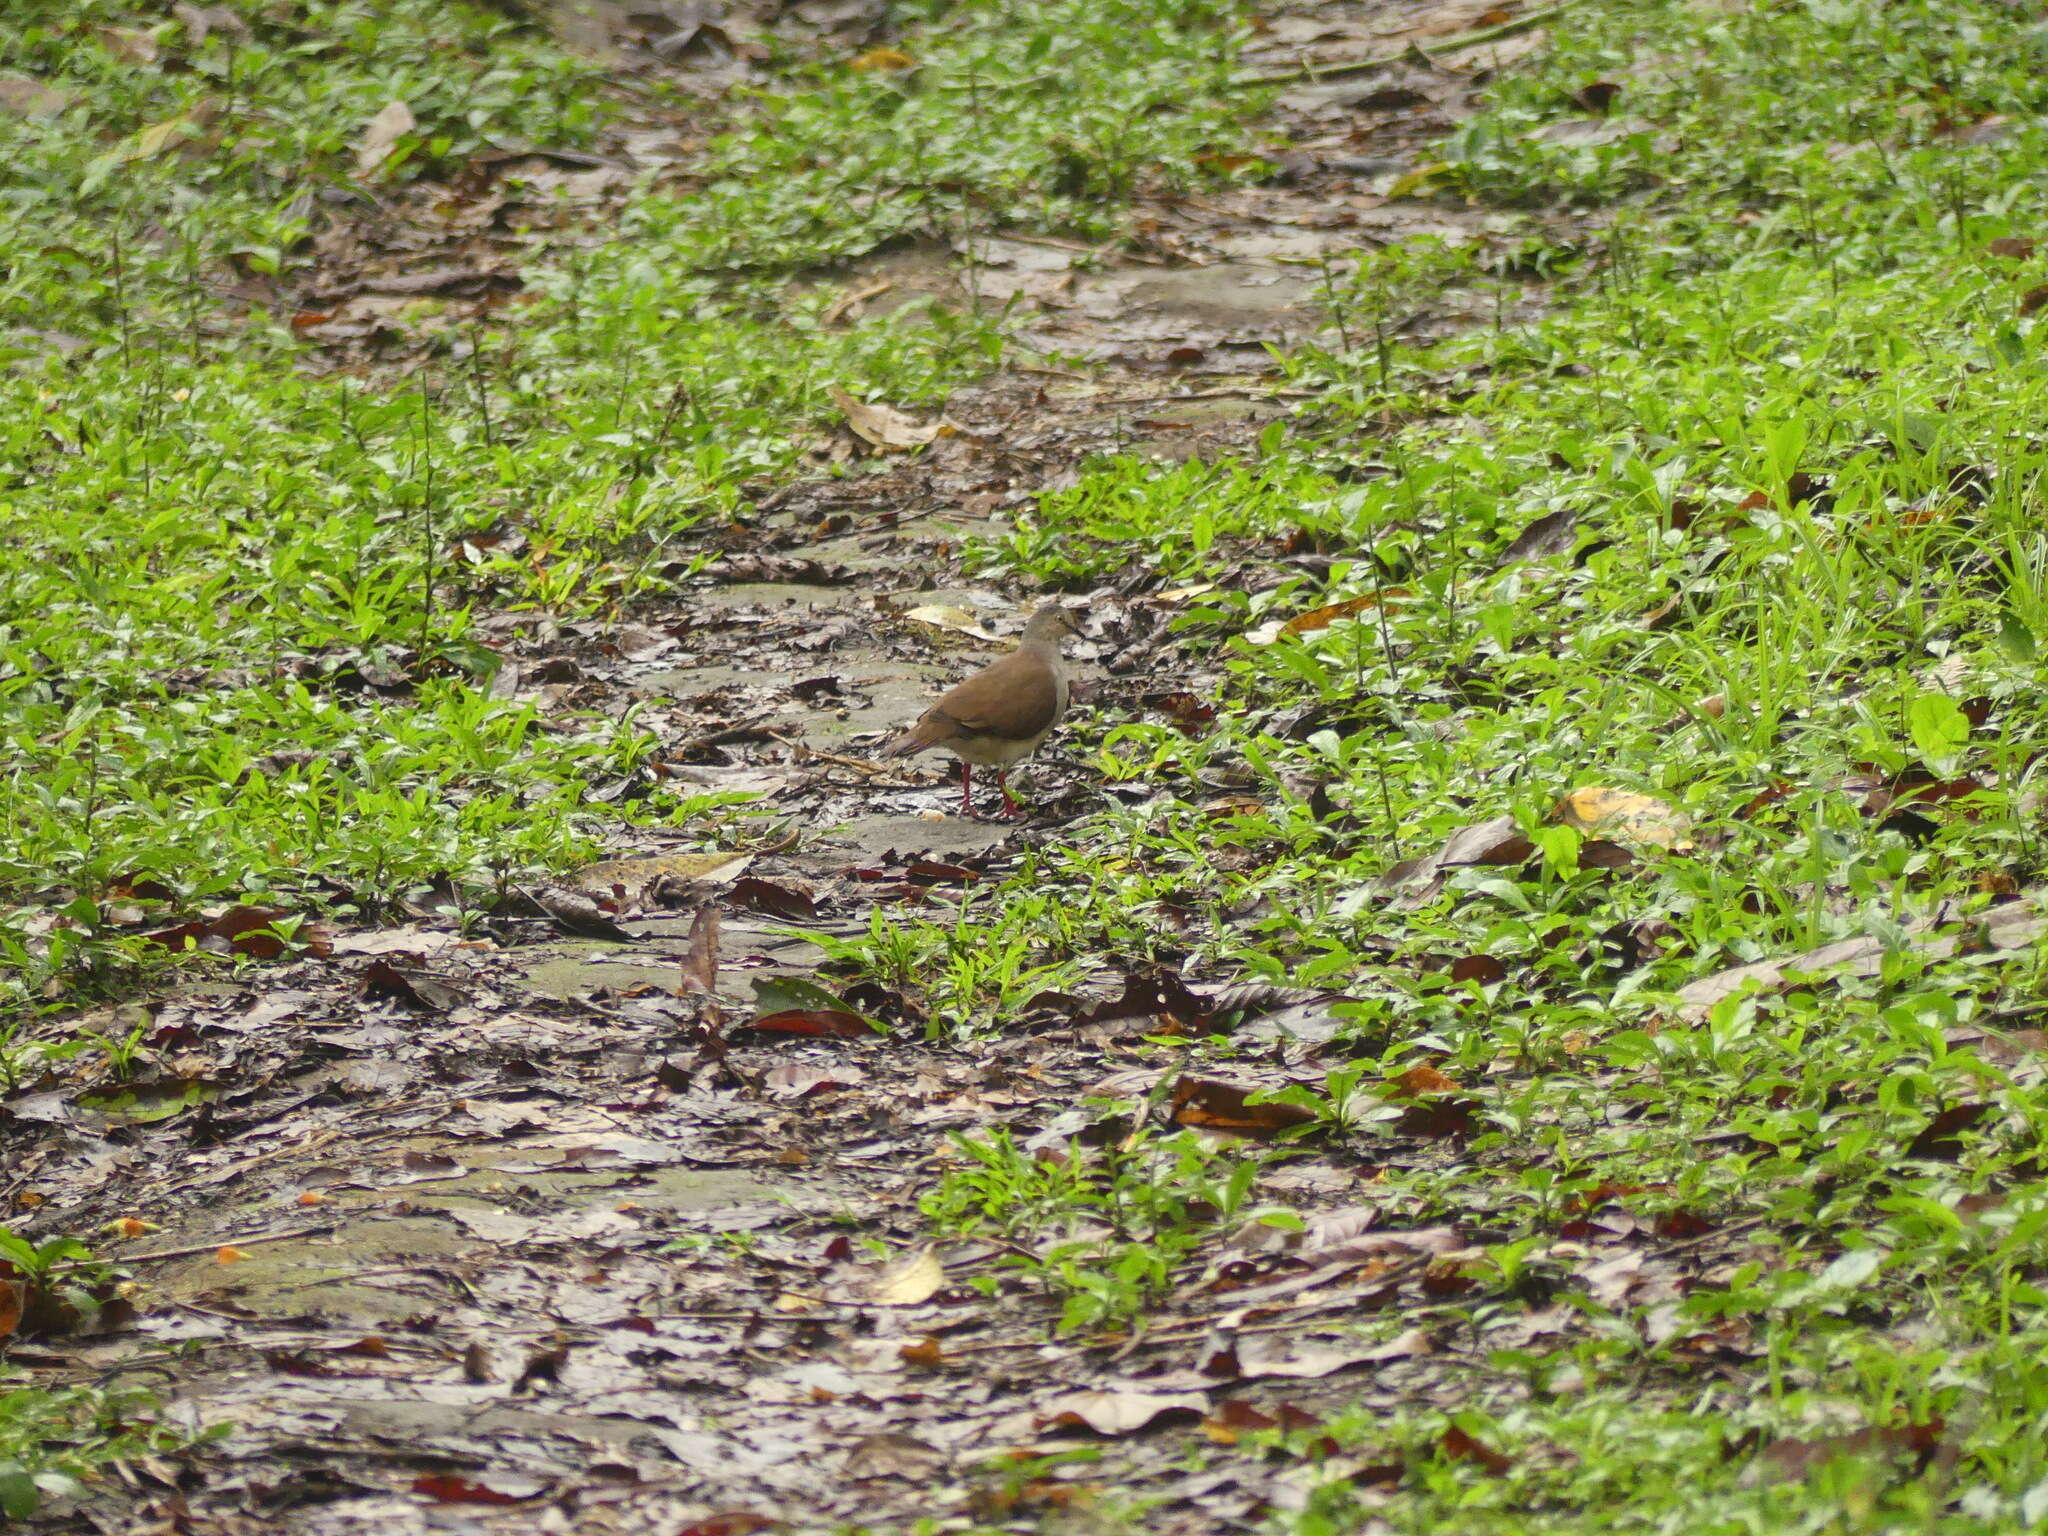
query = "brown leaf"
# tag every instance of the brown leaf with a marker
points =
(2011, 247)
(1495, 843)
(2010, 929)
(1938, 1140)
(381, 135)
(793, 1081)
(1159, 995)
(2033, 298)
(700, 966)
(893, 1455)
(26, 97)
(414, 988)
(238, 930)
(1323, 618)
(1420, 1080)
(1436, 1118)
(1483, 969)
(734, 1523)
(1547, 536)
(131, 45)
(1459, 1446)
(1597, 97)
(881, 425)
(753, 894)
(1790, 1460)
(1224, 1106)
(200, 21)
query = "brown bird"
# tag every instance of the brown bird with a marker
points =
(997, 717)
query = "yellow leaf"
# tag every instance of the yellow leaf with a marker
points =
(1418, 180)
(1626, 817)
(230, 1255)
(881, 59)
(910, 1281)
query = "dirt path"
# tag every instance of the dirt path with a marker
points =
(492, 1223)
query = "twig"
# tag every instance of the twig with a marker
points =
(852, 297)
(804, 751)
(193, 1248)
(1341, 67)
(1707, 1237)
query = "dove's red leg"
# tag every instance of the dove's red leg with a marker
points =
(1010, 806)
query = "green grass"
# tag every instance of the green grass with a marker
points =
(1789, 397)
(1783, 386)
(239, 651)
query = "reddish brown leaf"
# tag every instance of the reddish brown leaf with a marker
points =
(452, 1489)
(1419, 1080)
(1459, 1446)
(927, 872)
(2033, 298)
(2011, 247)
(1226, 1106)
(239, 930)
(814, 1021)
(1789, 1460)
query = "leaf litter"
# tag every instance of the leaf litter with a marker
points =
(601, 1232)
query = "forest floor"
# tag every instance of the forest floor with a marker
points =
(1512, 1004)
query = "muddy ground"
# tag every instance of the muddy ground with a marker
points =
(496, 1224)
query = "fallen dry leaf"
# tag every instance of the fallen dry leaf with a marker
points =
(700, 966)
(881, 61)
(1789, 1460)
(883, 426)
(2011, 929)
(1419, 1080)
(945, 616)
(909, 1282)
(381, 135)
(630, 880)
(1225, 1107)
(1459, 1446)
(1626, 817)
(26, 97)
(1118, 1413)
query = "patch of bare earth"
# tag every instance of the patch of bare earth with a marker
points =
(563, 1217)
